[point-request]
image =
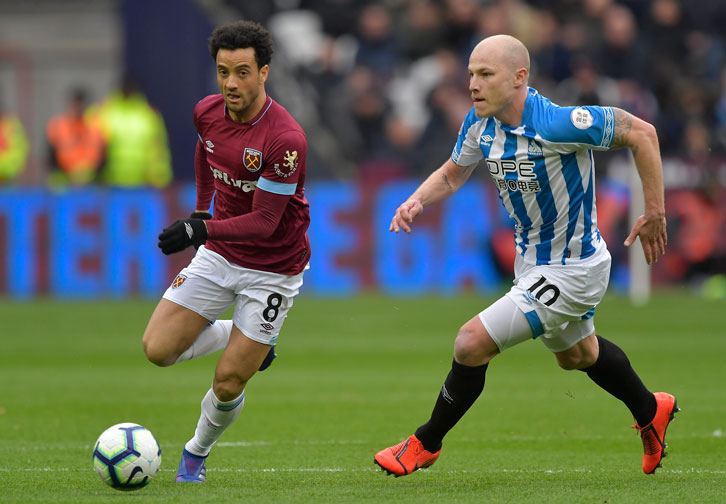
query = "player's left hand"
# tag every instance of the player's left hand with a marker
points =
(181, 234)
(653, 236)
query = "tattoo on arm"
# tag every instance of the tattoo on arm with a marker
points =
(623, 125)
(457, 176)
(446, 181)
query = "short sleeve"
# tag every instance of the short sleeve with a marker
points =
(466, 151)
(592, 126)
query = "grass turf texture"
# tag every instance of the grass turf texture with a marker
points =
(354, 376)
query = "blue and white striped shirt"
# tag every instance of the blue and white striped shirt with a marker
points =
(545, 174)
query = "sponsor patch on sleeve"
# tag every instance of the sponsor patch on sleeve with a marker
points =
(581, 118)
(289, 164)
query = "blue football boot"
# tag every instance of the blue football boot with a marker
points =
(191, 469)
(268, 358)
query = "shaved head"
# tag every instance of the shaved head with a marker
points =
(498, 76)
(506, 50)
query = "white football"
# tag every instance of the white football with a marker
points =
(126, 456)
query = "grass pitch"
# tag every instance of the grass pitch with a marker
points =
(354, 376)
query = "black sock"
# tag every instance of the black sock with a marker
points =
(460, 390)
(612, 371)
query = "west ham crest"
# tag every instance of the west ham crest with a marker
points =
(178, 281)
(252, 159)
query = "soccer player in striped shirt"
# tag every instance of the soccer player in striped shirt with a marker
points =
(539, 156)
(252, 254)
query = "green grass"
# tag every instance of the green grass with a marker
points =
(353, 376)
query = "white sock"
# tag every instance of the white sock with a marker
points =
(212, 338)
(215, 418)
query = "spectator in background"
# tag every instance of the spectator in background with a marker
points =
(421, 29)
(368, 105)
(622, 54)
(587, 86)
(137, 150)
(13, 146)
(378, 47)
(76, 145)
(550, 57)
(641, 51)
(462, 19)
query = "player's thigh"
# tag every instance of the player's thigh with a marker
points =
(172, 328)
(198, 295)
(237, 364)
(263, 302)
(505, 323)
(206, 286)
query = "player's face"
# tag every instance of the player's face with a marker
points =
(490, 83)
(241, 83)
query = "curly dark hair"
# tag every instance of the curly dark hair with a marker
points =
(241, 35)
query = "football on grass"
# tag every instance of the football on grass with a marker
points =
(127, 456)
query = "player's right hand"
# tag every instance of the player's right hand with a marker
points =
(404, 216)
(653, 236)
(181, 234)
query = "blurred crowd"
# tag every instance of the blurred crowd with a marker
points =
(383, 85)
(120, 141)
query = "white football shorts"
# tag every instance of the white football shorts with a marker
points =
(555, 303)
(211, 284)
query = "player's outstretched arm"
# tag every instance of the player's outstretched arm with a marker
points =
(441, 184)
(641, 138)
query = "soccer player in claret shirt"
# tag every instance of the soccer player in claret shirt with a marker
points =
(539, 157)
(251, 254)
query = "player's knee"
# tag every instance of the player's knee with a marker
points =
(156, 352)
(574, 360)
(472, 348)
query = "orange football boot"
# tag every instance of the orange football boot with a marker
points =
(405, 457)
(653, 434)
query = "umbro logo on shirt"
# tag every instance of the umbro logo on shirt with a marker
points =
(487, 140)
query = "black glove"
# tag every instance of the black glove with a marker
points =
(200, 215)
(181, 234)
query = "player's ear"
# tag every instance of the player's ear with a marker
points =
(264, 72)
(520, 77)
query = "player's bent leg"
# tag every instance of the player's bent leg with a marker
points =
(611, 370)
(582, 355)
(473, 350)
(172, 328)
(474, 346)
(223, 403)
(238, 363)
